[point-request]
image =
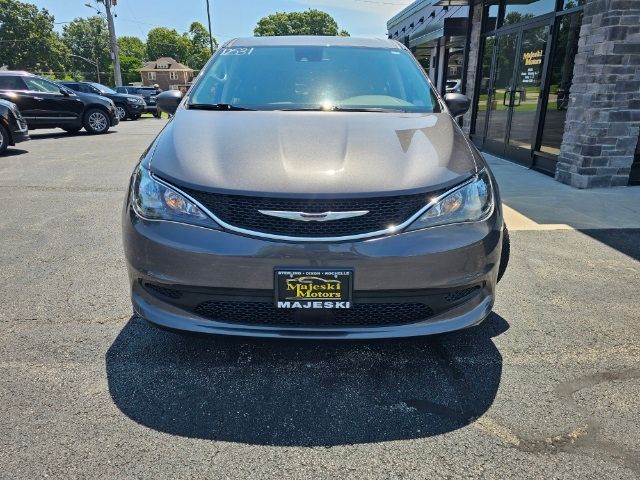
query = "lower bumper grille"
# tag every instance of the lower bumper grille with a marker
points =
(359, 315)
(256, 307)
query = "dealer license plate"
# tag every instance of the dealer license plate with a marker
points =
(319, 289)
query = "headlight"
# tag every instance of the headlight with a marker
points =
(470, 203)
(153, 200)
(134, 100)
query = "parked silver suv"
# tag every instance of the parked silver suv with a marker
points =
(313, 187)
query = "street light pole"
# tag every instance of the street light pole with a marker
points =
(209, 20)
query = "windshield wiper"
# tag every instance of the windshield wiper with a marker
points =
(217, 106)
(337, 108)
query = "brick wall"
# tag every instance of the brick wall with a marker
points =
(603, 118)
(163, 79)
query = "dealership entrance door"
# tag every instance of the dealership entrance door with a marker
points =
(512, 93)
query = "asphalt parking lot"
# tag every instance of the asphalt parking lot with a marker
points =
(547, 387)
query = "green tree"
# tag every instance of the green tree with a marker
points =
(88, 38)
(200, 49)
(167, 42)
(27, 39)
(130, 69)
(309, 22)
(132, 47)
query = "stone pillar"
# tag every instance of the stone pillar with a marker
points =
(472, 64)
(603, 117)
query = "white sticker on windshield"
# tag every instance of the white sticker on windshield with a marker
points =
(236, 51)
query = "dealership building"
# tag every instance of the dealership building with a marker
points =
(554, 84)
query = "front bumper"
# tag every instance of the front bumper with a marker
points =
(113, 116)
(17, 128)
(410, 267)
(20, 133)
(136, 108)
(18, 136)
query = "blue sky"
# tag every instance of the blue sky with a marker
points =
(230, 18)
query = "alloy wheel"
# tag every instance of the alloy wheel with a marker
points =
(122, 113)
(98, 121)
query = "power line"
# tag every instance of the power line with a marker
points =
(383, 3)
(217, 35)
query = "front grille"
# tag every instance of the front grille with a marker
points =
(242, 212)
(359, 315)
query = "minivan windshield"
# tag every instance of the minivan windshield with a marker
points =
(314, 78)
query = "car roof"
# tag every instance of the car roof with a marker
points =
(312, 41)
(16, 72)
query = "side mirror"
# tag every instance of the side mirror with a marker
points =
(64, 92)
(168, 101)
(457, 103)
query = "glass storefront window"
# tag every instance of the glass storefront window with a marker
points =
(560, 83)
(515, 11)
(453, 72)
(491, 10)
(528, 81)
(568, 4)
(485, 82)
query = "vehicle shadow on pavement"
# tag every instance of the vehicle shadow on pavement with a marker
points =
(625, 240)
(13, 152)
(63, 134)
(304, 393)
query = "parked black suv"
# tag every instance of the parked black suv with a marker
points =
(46, 104)
(147, 93)
(13, 128)
(127, 106)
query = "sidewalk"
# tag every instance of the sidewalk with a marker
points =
(533, 201)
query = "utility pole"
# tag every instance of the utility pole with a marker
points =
(209, 19)
(115, 54)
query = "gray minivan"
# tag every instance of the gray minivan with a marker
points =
(313, 187)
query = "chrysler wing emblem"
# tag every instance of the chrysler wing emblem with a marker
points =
(313, 217)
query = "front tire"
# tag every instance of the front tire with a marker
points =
(4, 139)
(96, 121)
(506, 252)
(122, 112)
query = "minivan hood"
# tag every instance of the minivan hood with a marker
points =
(284, 153)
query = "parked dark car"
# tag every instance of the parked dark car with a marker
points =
(313, 187)
(149, 95)
(47, 104)
(13, 128)
(127, 106)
